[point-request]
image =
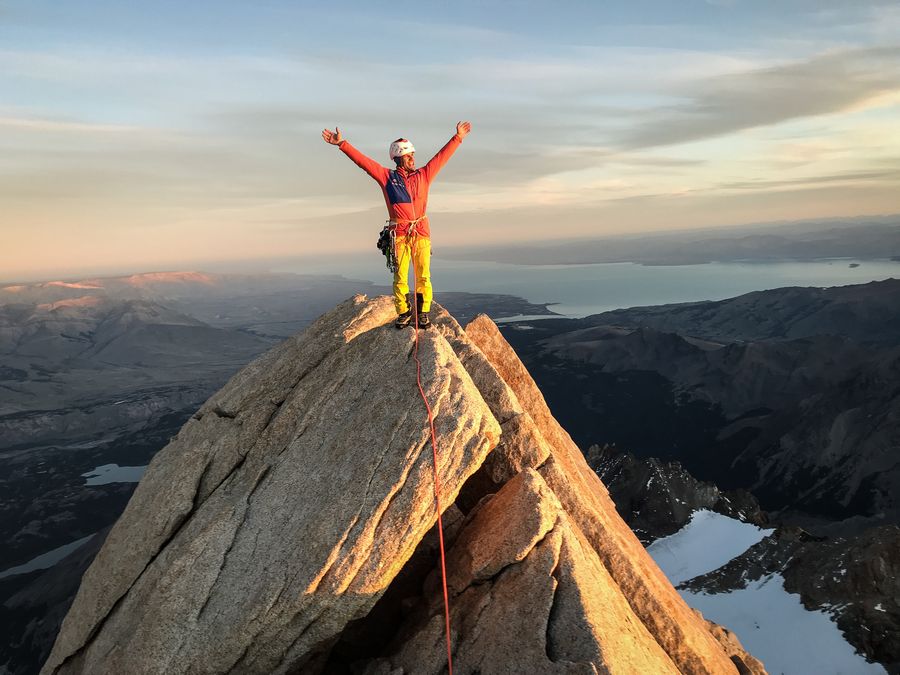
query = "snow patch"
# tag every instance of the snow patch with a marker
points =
(773, 625)
(706, 543)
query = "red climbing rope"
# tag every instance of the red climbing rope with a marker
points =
(410, 240)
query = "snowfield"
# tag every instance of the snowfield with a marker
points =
(706, 543)
(771, 623)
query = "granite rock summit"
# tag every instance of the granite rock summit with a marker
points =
(289, 528)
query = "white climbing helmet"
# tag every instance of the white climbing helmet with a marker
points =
(401, 147)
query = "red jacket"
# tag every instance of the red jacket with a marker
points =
(405, 192)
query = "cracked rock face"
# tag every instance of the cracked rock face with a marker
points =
(295, 508)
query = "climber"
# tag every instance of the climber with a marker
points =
(405, 191)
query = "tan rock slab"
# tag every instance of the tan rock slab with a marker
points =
(323, 489)
(585, 499)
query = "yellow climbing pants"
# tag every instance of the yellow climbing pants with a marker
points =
(420, 248)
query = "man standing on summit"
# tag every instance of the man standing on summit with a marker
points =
(405, 191)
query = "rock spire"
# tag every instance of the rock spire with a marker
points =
(287, 528)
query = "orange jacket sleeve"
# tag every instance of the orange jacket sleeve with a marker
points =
(437, 162)
(367, 164)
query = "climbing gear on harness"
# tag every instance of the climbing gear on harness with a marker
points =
(401, 147)
(387, 244)
(387, 241)
(403, 320)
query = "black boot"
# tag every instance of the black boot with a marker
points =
(422, 319)
(403, 320)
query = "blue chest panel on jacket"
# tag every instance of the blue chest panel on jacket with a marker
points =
(396, 189)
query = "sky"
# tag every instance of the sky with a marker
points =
(164, 135)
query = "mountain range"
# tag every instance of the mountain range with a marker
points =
(872, 238)
(743, 393)
(800, 408)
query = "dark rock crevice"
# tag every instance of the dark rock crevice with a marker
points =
(552, 652)
(234, 536)
(415, 591)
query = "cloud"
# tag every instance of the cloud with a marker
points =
(40, 124)
(846, 177)
(825, 84)
(131, 135)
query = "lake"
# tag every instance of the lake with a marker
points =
(580, 290)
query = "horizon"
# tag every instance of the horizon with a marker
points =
(370, 258)
(167, 137)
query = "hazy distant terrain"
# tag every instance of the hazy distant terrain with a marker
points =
(745, 392)
(790, 393)
(866, 313)
(865, 239)
(102, 371)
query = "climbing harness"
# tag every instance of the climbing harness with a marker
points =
(387, 241)
(434, 452)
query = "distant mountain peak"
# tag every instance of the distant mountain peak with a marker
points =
(145, 278)
(86, 285)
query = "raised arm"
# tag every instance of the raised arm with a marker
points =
(367, 164)
(436, 163)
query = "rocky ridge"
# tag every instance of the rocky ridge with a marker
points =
(807, 423)
(658, 498)
(862, 312)
(298, 501)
